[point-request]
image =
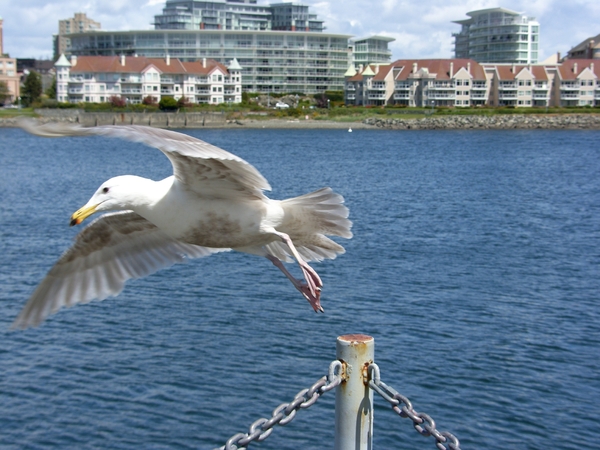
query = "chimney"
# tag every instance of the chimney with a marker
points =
(122, 60)
(513, 69)
(575, 68)
(469, 68)
(415, 67)
(168, 59)
(451, 73)
(592, 67)
(376, 69)
(73, 60)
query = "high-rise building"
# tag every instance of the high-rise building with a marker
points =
(371, 50)
(498, 35)
(77, 24)
(242, 15)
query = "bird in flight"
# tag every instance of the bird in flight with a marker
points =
(213, 202)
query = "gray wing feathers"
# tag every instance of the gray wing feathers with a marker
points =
(199, 165)
(111, 250)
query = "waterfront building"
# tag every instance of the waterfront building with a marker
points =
(587, 49)
(8, 73)
(271, 61)
(77, 24)
(423, 83)
(94, 79)
(371, 50)
(577, 83)
(520, 86)
(498, 35)
(464, 83)
(240, 15)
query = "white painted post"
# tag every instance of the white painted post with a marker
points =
(354, 398)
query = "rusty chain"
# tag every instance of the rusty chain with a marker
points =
(285, 413)
(423, 423)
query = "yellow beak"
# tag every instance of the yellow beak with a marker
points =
(80, 215)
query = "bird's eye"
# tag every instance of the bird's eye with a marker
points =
(105, 190)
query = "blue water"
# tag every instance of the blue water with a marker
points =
(475, 265)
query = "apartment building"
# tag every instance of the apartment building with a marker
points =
(577, 83)
(241, 15)
(497, 35)
(371, 50)
(79, 23)
(465, 83)
(520, 86)
(587, 49)
(429, 82)
(95, 79)
(272, 61)
(8, 73)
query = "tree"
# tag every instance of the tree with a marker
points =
(167, 104)
(51, 91)
(32, 89)
(4, 92)
(117, 102)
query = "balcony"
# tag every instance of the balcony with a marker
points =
(507, 96)
(376, 96)
(441, 96)
(540, 96)
(378, 87)
(565, 95)
(442, 86)
(507, 86)
(131, 91)
(351, 97)
(167, 92)
(479, 86)
(350, 87)
(569, 87)
(401, 96)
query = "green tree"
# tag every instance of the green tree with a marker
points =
(51, 91)
(167, 104)
(4, 92)
(32, 89)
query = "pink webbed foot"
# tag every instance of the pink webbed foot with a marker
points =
(310, 289)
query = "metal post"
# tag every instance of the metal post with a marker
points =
(354, 398)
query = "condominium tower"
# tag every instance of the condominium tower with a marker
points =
(497, 35)
(79, 23)
(280, 47)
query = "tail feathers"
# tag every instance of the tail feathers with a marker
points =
(308, 219)
(321, 212)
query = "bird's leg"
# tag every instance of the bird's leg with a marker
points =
(312, 295)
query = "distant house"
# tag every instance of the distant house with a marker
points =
(426, 82)
(465, 83)
(95, 79)
(587, 49)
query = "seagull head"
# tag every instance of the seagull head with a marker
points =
(117, 194)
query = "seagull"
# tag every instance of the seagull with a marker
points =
(213, 202)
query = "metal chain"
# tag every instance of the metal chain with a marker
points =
(285, 413)
(423, 423)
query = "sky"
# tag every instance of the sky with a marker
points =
(422, 28)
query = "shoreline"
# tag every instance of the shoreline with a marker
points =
(589, 121)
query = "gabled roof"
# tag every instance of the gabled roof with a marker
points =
(234, 65)
(350, 72)
(439, 67)
(510, 72)
(572, 68)
(137, 64)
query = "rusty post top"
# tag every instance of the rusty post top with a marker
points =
(358, 338)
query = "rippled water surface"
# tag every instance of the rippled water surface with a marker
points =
(475, 265)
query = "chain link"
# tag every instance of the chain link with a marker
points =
(423, 423)
(285, 413)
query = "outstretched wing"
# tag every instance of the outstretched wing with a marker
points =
(108, 252)
(203, 168)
